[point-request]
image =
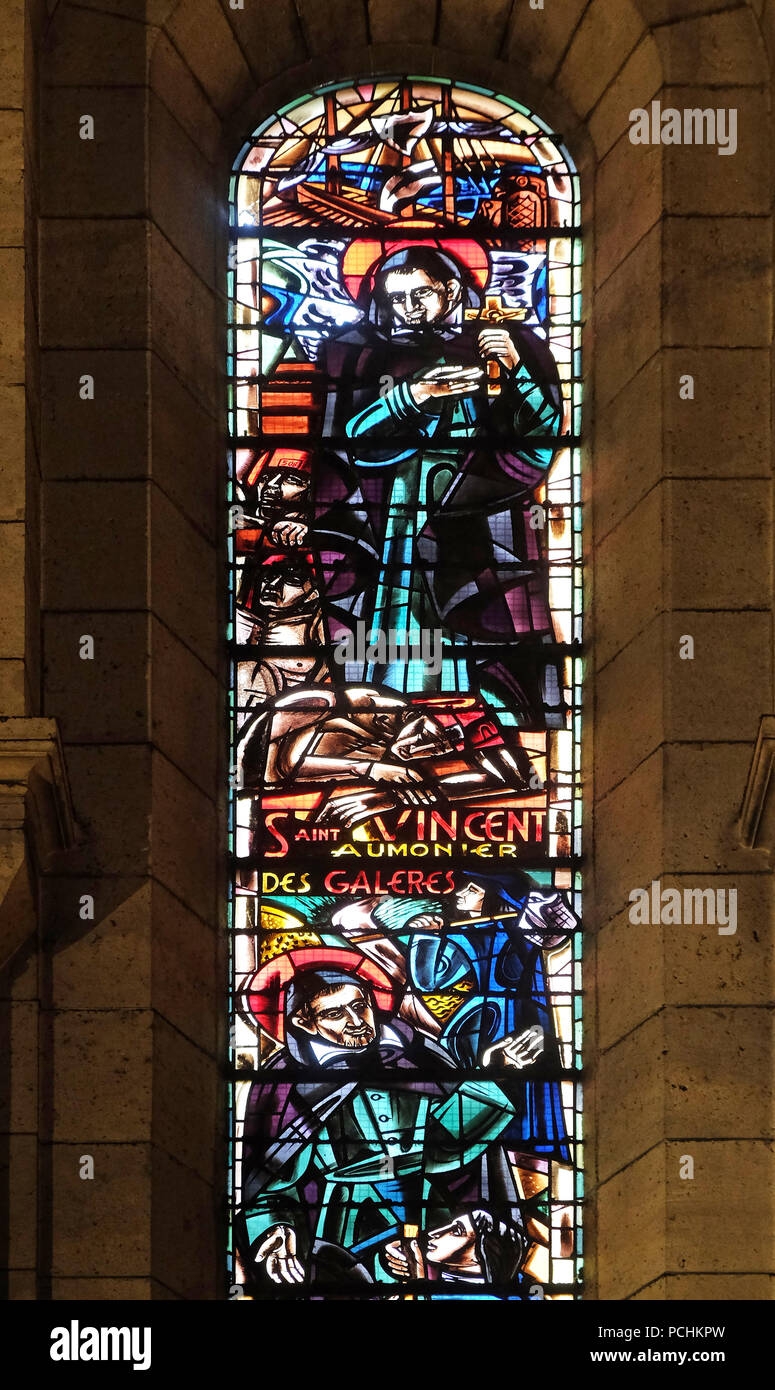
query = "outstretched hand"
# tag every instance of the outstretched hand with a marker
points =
(277, 1252)
(446, 381)
(517, 1050)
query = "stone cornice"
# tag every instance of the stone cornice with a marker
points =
(34, 790)
(756, 825)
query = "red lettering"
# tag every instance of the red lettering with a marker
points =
(280, 838)
(381, 828)
(331, 886)
(450, 827)
(520, 825)
(467, 830)
(493, 825)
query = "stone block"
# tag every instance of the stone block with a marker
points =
(704, 571)
(203, 36)
(188, 971)
(721, 1219)
(640, 968)
(12, 301)
(186, 1230)
(630, 1091)
(632, 1201)
(630, 706)
(94, 292)
(627, 462)
(101, 1227)
(187, 710)
(19, 1179)
(598, 48)
(174, 83)
(628, 577)
(11, 179)
(112, 799)
(629, 978)
(12, 54)
(102, 1290)
(186, 450)
(88, 49)
(19, 1098)
(628, 202)
(637, 83)
(144, 11)
(703, 786)
(12, 428)
(710, 1288)
(629, 826)
(111, 429)
(697, 1072)
(668, 11)
(271, 39)
(104, 1079)
(628, 318)
(21, 977)
(13, 611)
(95, 545)
(184, 839)
(21, 1284)
(103, 177)
(187, 1092)
(393, 20)
(104, 963)
(13, 696)
(483, 32)
(722, 432)
(104, 700)
(720, 693)
(715, 49)
(717, 281)
(182, 193)
(184, 322)
(703, 967)
(718, 1073)
(697, 179)
(184, 581)
(538, 38)
(331, 24)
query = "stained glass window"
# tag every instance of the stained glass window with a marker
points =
(404, 518)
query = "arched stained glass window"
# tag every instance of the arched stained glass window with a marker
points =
(405, 533)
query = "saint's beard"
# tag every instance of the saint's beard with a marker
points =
(348, 1041)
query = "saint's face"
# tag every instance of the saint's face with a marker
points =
(452, 1244)
(415, 299)
(470, 899)
(344, 1018)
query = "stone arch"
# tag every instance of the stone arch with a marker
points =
(130, 288)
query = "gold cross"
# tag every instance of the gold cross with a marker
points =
(494, 311)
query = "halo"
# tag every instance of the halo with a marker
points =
(269, 986)
(363, 254)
